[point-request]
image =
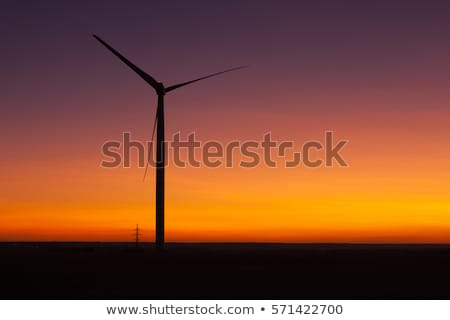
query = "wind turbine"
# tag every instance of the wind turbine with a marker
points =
(160, 90)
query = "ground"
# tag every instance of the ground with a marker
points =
(223, 271)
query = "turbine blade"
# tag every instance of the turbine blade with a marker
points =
(151, 147)
(147, 78)
(176, 86)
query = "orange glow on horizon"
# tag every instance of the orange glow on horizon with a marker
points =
(395, 190)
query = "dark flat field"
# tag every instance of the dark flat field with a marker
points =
(223, 271)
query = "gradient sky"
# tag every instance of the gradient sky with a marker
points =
(375, 72)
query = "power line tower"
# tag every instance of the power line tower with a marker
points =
(137, 234)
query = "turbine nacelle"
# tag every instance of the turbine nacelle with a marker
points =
(160, 89)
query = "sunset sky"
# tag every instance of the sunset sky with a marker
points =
(376, 73)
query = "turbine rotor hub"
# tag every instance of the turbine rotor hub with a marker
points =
(160, 88)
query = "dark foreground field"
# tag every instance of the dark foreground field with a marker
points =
(223, 271)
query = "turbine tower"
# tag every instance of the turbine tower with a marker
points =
(160, 90)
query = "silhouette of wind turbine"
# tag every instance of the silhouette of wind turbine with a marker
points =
(159, 122)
